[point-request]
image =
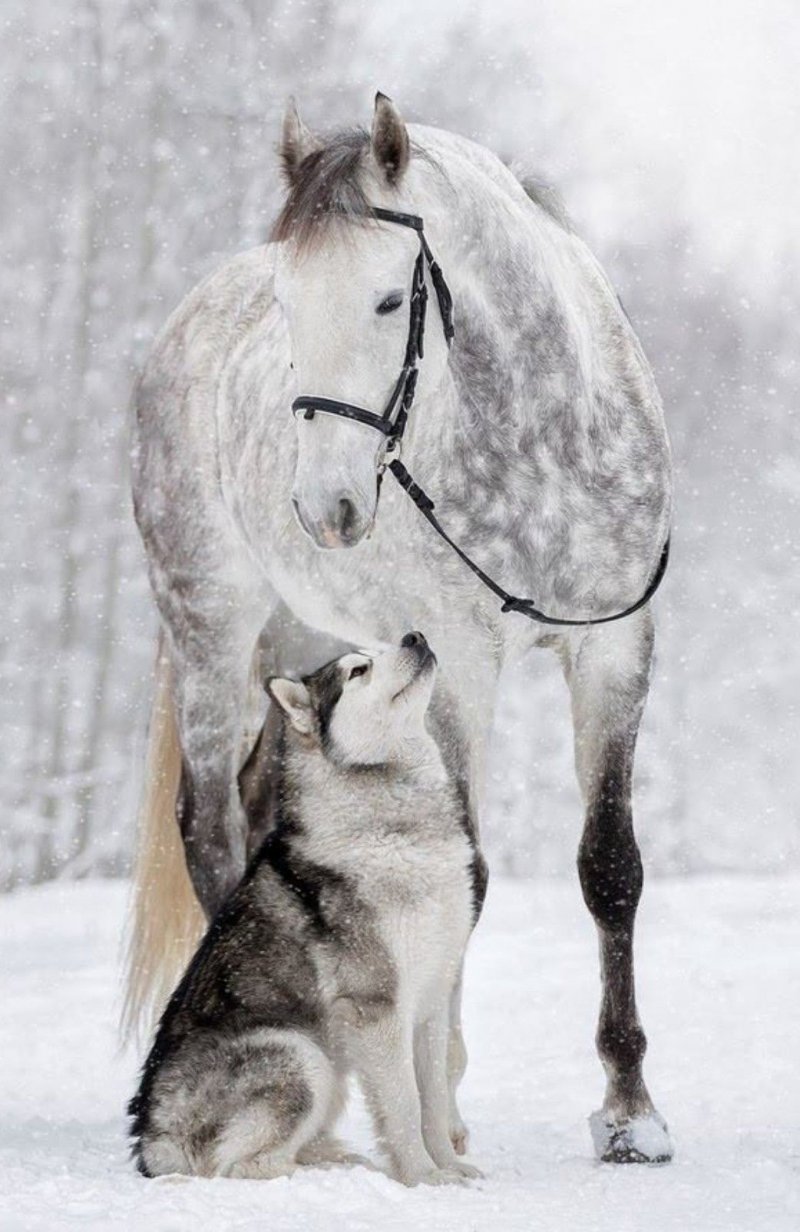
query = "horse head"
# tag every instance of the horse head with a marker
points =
(345, 282)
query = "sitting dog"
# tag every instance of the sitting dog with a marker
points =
(339, 951)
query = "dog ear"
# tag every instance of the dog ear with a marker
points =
(297, 142)
(390, 144)
(294, 700)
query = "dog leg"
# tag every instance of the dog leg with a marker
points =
(432, 1045)
(456, 1068)
(383, 1055)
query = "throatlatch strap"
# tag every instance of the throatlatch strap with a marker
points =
(525, 607)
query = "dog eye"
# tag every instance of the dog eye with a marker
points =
(390, 304)
(360, 669)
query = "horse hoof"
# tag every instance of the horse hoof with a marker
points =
(639, 1140)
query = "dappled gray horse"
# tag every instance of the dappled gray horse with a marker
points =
(539, 433)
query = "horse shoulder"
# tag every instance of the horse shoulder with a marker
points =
(174, 445)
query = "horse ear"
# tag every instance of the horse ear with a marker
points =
(294, 700)
(390, 145)
(297, 142)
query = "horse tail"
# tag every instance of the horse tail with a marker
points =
(165, 920)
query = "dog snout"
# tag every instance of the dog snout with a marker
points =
(417, 643)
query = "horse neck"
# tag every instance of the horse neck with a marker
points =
(537, 322)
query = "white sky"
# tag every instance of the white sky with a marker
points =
(690, 106)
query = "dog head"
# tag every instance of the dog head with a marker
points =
(363, 708)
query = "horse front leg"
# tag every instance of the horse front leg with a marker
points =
(608, 670)
(212, 668)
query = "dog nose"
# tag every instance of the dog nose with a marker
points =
(414, 639)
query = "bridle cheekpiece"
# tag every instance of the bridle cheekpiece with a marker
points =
(394, 417)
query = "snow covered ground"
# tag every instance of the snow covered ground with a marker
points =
(719, 980)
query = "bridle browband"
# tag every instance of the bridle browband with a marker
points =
(394, 417)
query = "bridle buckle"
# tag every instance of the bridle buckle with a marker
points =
(393, 446)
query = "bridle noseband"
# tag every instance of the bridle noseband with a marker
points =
(394, 417)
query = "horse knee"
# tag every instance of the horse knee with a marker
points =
(622, 1045)
(610, 870)
(609, 863)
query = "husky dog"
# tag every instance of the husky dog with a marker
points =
(340, 949)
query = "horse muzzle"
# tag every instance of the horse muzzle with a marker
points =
(342, 523)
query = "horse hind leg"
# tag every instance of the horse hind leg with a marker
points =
(608, 675)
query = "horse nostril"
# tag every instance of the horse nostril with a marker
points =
(298, 513)
(346, 517)
(413, 639)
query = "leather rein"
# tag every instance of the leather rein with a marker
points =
(394, 417)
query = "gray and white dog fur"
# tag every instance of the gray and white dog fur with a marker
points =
(339, 950)
(539, 434)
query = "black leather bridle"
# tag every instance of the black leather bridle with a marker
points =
(394, 417)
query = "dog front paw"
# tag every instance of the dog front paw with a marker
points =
(443, 1176)
(467, 1170)
(459, 1136)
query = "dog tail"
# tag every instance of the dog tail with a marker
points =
(165, 920)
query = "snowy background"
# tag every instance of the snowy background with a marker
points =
(137, 152)
(719, 970)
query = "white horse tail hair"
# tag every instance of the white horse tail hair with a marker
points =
(165, 920)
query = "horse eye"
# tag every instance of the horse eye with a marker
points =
(360, 669)
(390, 304)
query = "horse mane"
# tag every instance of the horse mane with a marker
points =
(546, 197)
(327, 185)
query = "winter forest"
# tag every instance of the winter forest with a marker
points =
(138, 152)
